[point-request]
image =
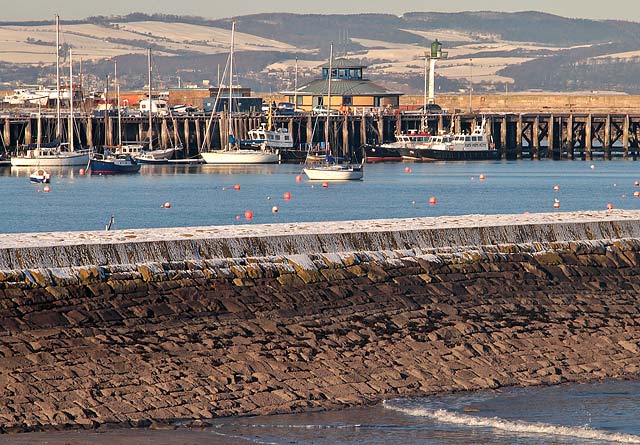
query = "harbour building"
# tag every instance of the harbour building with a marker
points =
(349, 89)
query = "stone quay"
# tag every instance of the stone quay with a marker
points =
(145, 327)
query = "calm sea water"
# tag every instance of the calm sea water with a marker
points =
(605, 413)
(205, 195)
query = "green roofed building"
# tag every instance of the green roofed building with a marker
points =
(349, 89)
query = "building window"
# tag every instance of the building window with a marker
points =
(347, 101)
(342, 73)
(355, 73)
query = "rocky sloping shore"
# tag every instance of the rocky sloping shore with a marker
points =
(133, 344)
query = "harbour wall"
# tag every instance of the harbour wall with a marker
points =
(142, 327)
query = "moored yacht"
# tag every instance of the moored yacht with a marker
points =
(232, 153)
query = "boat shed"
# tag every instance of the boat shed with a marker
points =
(349, 89)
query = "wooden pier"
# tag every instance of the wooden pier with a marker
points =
(559, 135)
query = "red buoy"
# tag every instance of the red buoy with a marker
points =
(481, 177)
(637, 183)
(167, 205)
(298, 178)
(46, 189)
(609, 206)
(407, 169)
(325, 185)
(238, 217)
(236, 187)
(287, 196)
(82, 172)
(274, 209)
(556, 205)
(248, 215)
(556, 188)
(433, 201)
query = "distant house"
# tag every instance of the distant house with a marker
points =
(349, 89)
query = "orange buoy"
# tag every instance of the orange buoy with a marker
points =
(407, 169)
(298, 178)
(556, 188)
(636, 194)
(609, 206)
(482, 177)
(637, 183)
(274, 209)
(287, 196)
(248, 215)
(325, 185)
(46, 189)
(236, 187)
(556, 205)
(433, 201)
(167, 205)
(82, 172)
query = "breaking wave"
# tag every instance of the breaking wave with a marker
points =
(511, 426)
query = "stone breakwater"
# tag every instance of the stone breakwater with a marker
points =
(272, 319)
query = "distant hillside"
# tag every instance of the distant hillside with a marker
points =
(492, 50)
(529, 26)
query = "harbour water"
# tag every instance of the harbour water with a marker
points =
(205, 195)
(602, 413)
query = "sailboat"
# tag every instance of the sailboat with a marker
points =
(142, 154)
(55, 153)
(232, 153)
(330, 169)
(108, 163)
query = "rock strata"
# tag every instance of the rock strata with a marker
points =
(143, 343)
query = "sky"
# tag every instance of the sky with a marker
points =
(78, 9)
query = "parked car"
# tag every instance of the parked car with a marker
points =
(286, 109)
(322, 111)
(430, 109)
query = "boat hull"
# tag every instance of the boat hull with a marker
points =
(379, 153)
(334, 173)
(458, 155)
(50, 161)
(107, 167)
(239, 157)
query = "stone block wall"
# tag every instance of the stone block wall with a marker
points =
(132, 344)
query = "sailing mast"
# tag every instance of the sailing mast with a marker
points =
(233, 31)
(115, 75)
(58, 129)
(150, 102)
(71, 129)
(329, 100)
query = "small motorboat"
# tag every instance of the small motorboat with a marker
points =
(107, 164)
(40, 176)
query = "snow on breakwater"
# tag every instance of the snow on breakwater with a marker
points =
(69, 249)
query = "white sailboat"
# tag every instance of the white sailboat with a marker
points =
(232, 154)
(328, 169)
(58, 153)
